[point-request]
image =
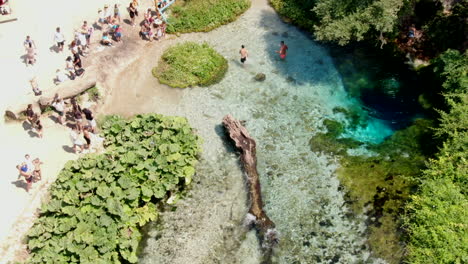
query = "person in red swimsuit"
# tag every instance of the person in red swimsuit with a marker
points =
(283, 50)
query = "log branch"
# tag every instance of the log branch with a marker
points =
(257, 216)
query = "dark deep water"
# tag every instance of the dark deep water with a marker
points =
(386, 88)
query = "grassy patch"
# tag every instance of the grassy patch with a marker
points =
(190, 64)
(204, 15)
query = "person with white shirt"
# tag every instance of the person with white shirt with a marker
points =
(59, 39)
(59, 107)
(61, 77)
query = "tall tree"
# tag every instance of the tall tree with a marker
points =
(345, 20)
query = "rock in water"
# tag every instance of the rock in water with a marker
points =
(260, 77)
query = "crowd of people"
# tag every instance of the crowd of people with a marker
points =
(109, 22)
(83, 128)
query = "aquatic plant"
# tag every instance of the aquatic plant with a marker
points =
(190, 64)
(99, 202)
(204, 15)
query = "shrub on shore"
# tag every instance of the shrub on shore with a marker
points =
(99, 202)
(190, 64)
(204, 15)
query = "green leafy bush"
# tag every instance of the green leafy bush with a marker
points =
(438, 224)
(190, 64)
(297, 11)
(99, 202)
(204, 15)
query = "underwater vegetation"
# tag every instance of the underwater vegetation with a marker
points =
(378, 184)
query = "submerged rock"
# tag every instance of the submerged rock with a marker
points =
(260, 77)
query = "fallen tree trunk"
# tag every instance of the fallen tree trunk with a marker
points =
(65, 90)
(256, 216)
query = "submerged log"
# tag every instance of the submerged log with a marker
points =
(256, 216)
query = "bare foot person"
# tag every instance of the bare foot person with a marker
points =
(244, 54)
(37, 174)
(23, 171)
(59, 107)
(76, 138)
(59, 39)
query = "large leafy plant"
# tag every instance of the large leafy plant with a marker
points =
(99, 203)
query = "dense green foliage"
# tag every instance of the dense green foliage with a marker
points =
(438, 223)
(342, 21)
(204, 15)
(452, 69)
(437, 216)
(190, 64)
(99, 202)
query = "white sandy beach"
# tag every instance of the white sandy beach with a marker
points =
(39, 20)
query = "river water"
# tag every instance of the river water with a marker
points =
(302, 194)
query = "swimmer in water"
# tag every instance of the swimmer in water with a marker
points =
(283, 50)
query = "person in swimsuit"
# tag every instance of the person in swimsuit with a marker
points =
(283, 50)
(23, 171)
(37, 174)
(244, 54)
(133, 12)
(30, 54)
(35, 86)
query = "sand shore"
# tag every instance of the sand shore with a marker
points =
(39, 20)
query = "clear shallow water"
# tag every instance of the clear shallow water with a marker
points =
(301, 192)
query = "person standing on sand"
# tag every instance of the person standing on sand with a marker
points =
(59, 107)
(59, 39)
(76, 138)
(30, 54)
(283, 50)
(38, 128)
(23, 171)
(133, 12)
(244, 54)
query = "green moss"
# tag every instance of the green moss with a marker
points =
(204, 15)
(381, 185)
(190, 64)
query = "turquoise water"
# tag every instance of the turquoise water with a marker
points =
(302, 194)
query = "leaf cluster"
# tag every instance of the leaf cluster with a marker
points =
(190, 64)
(99, 202)
(204, 15)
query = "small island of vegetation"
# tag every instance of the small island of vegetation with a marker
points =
(190, 64)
